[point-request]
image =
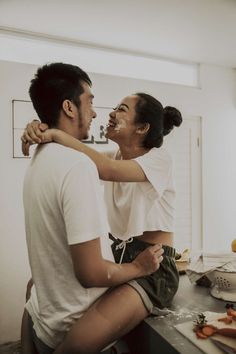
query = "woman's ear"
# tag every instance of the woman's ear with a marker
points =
(143, 129)
(68, 108)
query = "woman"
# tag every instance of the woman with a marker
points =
(139, 213)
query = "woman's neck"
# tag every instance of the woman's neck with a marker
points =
(128, 152)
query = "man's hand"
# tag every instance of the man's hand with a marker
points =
(35, 133)
(149, 260)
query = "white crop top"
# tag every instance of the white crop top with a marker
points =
(133, 208)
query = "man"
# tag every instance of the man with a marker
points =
(66, 230)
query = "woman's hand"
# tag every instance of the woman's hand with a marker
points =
(35, 133)
(149, 260)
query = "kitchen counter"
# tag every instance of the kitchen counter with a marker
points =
(158, 334)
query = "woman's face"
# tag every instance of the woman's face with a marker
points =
(121, 120)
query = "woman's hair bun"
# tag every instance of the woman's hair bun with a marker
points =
(172, 118)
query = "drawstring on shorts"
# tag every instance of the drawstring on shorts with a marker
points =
(123, 245)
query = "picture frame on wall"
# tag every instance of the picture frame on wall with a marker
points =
(23, 112)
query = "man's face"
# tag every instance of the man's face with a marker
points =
(85, 112)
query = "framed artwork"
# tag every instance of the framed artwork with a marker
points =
(23, 112)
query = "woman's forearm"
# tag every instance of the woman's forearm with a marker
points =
(103, 163)
(108, 169)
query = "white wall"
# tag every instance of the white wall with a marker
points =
(14, 270)
(214, 102)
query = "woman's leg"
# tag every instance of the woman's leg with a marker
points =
(112, 316)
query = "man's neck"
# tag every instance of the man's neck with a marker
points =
(69, 128)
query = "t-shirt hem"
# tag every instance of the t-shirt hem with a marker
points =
(140, 232)
(74, 240)
(40, 334)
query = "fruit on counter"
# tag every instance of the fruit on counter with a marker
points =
(231, 311)
(233, 245)
(226, 320)
(204, 330)
(227, 332)
(209, 330)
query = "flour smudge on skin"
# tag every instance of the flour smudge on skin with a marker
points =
(121, 125)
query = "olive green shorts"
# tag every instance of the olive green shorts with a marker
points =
(157, 289)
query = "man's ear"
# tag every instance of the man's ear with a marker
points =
(143, 129)
(69, 108)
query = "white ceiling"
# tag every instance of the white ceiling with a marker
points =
(202, 31)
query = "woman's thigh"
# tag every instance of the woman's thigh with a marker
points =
(113, 315)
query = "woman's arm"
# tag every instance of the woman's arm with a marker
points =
(108, 169)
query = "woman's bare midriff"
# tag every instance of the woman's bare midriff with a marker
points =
(153, 237)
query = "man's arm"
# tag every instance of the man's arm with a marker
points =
(93, 271)
(84, 217)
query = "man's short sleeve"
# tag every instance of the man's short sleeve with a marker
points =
(82, 203)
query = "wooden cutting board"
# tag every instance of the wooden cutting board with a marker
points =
(206, 345)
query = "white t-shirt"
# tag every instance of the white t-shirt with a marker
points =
(133, 208)
(63, 206)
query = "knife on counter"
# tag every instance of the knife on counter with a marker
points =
(225, 348)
